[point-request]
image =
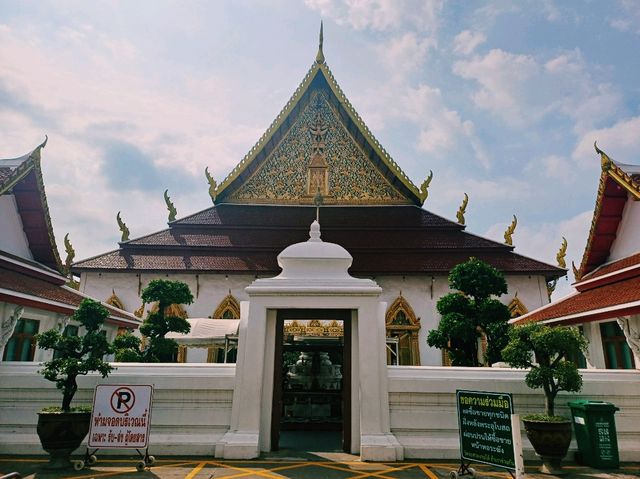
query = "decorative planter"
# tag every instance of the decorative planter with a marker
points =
(60, 434)
(551, 442)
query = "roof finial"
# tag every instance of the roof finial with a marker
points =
(318, 200)
(320, 55)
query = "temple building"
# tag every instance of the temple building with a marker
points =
(34, 295)
(606, 303)
(317, 158)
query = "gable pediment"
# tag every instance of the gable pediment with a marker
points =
(318, 143)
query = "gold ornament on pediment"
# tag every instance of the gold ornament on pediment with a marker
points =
(517, 307)
(314, 328)
(229, 308)
(114, 301)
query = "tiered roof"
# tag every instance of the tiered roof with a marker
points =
(318, 147)
(247, 239)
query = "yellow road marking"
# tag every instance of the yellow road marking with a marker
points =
(361, 474)
(427, 472)
(375, 474)
(195, 470)
(248, 472)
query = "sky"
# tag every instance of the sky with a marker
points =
(501, 100)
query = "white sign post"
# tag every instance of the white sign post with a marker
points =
(517, 445)
(121, 416)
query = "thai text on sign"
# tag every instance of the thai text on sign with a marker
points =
(484, 419)
(121, 416)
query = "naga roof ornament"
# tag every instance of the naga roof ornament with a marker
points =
(424, 187)
(71, 253)
(213, 186)
(562, 253)
(508, 234)
(462, 209)
(170, 206)
(123, 228)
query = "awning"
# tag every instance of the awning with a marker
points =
(206, 332)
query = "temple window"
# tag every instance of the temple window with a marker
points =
(22, 345)
(229, 308)
(617, 354)
(402, 334)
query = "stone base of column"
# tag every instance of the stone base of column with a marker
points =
(381, 448)
(238, 445)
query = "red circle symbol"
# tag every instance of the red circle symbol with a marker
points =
(122, 400)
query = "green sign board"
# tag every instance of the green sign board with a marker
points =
(484, 419)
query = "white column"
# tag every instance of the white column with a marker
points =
(630, 325)
(376, 441)
(8, 320)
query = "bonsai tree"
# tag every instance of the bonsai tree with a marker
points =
(470, 312)
(545, 350)
(77, 355)
(157, 324)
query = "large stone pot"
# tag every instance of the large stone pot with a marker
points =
(551, 442)
(60, 434)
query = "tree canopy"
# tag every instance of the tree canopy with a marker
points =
(471, 312)
(77, 355)
(546, 351)
(157, 324)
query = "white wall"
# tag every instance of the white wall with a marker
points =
(423, 410)
(191, 406)
(12, 237)
(627, 238)
(422, 293)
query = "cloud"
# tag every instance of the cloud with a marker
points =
(467, 41)
(554, 167)
(629, 21)
(404, 54)
(522, 90)
(381, 15)
(621, 142)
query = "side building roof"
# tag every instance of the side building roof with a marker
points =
(22, 178)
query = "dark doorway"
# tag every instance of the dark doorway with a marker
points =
(312, 381)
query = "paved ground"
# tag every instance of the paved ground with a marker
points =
(316, 466)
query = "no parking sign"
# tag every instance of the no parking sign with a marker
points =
(121, 416)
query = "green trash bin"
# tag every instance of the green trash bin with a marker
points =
(595, 427)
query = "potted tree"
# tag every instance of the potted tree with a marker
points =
(546, 351)
(62, 429)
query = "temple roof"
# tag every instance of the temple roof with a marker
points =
(618, 184)
(228, 238)
(22, 178)
(318, 126)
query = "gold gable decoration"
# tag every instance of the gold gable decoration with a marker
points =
(171, 310)
(315, 328)
(114, 301)
(317, 153)
(517, 307)
(318, 78)
(402, 323)
(229, 308)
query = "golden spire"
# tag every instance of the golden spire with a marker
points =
(320, 55)
(213, 186)
(605, 161)
(462, 209)
(562, 252)
(424, 187)
(170, 206)
(509, 233)
(71, 253)
(123, 228)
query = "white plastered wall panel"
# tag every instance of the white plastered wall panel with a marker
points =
(12, 237)
(627, 237)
